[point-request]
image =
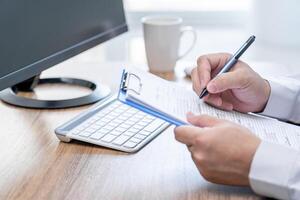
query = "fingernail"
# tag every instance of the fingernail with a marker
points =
(219, 102)
(189, 115)
(202, 84)
(206, 97)
(212, 87)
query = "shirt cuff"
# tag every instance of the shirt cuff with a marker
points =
(281, 101)
(270, 170)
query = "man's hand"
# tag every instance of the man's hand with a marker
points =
(241, 89)
(222, 151)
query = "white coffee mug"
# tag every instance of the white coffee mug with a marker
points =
(162, 37)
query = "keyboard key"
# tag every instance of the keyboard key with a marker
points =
(134, 130)
(130, 123)
(150, 117)
(140, 115)
(132, 111)
(140, 136)
(135, 140)
(120, 129)
(124, 106)
(144, 132)
(127, 115)
(81, 127)
(75, 131)
(100, 123)
(108, 127)
(142, 123)
(114, 114)
(114, 132)
(96, 126)
(116, 103)
(117, 111)
(85, 134)
(121, 140)
(108, 138)
(130, 144)
(123, 118)
(125, 126)
(118, 121)
(105, 111)
(110, 117)
(135, 119)
(97, 136)
(105, 120)
(113, 124)
(154, 125)
(146, 120)
(103, 130)
(139, 127)
(91, 130)
(129, 133)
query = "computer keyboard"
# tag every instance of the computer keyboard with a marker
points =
(115, 125)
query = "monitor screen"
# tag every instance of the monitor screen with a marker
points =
(36, 35)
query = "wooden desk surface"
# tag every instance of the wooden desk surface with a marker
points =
(34, 164)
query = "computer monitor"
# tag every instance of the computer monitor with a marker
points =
(36, 35)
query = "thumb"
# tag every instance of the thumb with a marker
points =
(203, 120)
(226, 81)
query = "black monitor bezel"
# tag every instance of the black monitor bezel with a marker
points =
(36, 68)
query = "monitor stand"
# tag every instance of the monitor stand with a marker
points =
(11, 96)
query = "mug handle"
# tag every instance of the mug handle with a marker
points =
(184, 30)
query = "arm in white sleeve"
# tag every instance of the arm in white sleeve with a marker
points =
(275, 169)
(284, 100)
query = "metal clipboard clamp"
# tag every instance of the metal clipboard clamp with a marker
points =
(132, 82)
(128, 83)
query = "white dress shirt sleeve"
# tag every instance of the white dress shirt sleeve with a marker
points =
(284, 100)
(275, 169)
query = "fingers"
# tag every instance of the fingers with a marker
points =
(204, 121)
(215, 60)
(196, 82)
(218, 101)
(226, 81)
(187, 134)
(227, 106)
(204, 71)
(213, 99)
(208, 65)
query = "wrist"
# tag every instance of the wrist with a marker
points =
(249, 159)
(267, 92)
(266, 95)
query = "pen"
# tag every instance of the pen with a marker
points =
(230, 63)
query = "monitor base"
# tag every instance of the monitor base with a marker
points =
(10, 95)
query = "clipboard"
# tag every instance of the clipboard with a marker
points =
(163, 99)
(132, 82)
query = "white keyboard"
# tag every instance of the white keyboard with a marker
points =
(115, 125)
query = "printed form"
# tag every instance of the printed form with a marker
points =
(175, 101)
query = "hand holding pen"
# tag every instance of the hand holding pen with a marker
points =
(231, 62)
(240, 89)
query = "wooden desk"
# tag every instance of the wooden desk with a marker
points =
(34, 164)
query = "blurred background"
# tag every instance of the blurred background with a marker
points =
(222, 26)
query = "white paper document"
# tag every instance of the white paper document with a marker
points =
(175, 101)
